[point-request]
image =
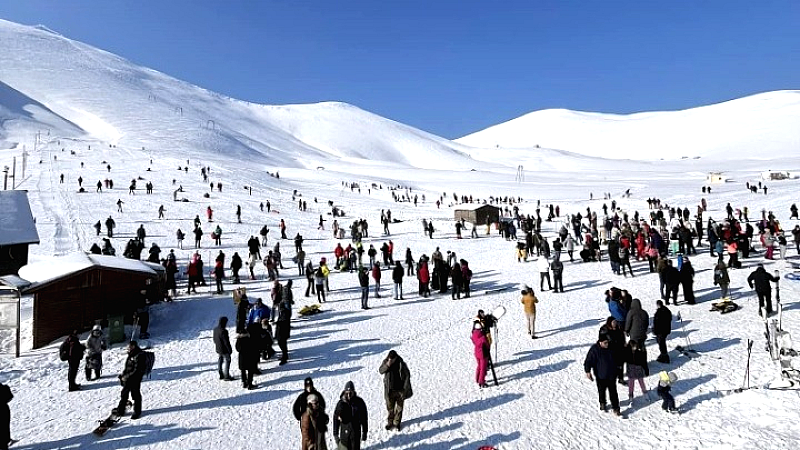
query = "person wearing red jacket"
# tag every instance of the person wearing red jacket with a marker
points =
(424, 277)
(376, 275)
(338, 252)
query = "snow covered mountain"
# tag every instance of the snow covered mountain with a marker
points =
(120, 103)
(761, 126)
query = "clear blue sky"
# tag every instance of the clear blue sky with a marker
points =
(450, 67)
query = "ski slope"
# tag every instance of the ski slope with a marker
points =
(111, 112)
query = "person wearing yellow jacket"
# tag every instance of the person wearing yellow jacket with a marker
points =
(529, 301)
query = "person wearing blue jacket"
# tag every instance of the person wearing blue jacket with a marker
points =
(600, 361)
(616, 308)
(257, 312)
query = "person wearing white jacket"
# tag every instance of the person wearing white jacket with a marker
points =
(544, 272)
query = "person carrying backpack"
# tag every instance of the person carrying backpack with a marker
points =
(71, 350)
(136, 367)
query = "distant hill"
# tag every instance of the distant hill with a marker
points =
(762, 126)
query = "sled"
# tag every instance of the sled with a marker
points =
(310, 310)
(725, 306)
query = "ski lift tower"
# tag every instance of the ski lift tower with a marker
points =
(520, 175)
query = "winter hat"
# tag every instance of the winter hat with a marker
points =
(312, 398)
(97, 328)
(308, 382)
(349, 386)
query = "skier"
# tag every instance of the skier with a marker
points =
(529, 301)
(600, 360)
(396, 388)
(95, 345)
(131, 379)
(224, 350)
(350, 420)
(760, 280)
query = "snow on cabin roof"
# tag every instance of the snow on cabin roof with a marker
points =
(42, 272)
(16, 221)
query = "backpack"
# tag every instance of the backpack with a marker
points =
(63, 351)
(149, 361)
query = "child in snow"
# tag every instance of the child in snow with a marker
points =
(637, 369)
(665, 381)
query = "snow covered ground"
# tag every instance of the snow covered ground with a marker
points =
(76, 98)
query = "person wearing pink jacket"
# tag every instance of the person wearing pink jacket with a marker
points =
(481, 353)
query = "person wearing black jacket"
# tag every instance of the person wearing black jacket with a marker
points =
(282, 325)
(131, 379)
(5, 416)
(600, 360)
(687, 281)
(236, 266)
(363, 282)
(397, 277)
(672, 280)
(72, 351)
(222, 342)
(617, 343)
(248, 348)
(662, 327)
(301, 403)
(350, 420)
(396, 388)
(242, 310)
(760, 280)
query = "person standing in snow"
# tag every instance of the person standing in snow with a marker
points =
(637, 368)
(350, 420)
(376, 275)
(131, 379)
(721, 277)
(544, 272)
(222, 342)
(236, 266)
(636, 323)
(95, 345)
(600, 360)
(760, 280)
(301, 403)
(282, 324)
(558, 270)
(248, 348)
(363, 282)
(313, 425)
(71, 350)
(665, 381)
(397, 277)
(481, 349)
(687, 281)
(396, 388)
(662, 327)
(529, 301)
